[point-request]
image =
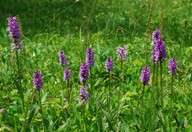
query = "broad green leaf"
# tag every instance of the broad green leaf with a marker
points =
(27, 94)
(43, 98)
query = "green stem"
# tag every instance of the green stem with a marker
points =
(91, 98)
(152, 99)
(161, 83)
(172, 92)
(62, 90)
(40, 105)
(157, 87)
(153, 83)
(84, 128)
(119, 92)
(67, 91)
(69, 94)
(142, 107)
(20, 89)
(20, 86)
(108, 102)
(171, 100)
(70, 97)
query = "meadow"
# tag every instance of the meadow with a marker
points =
(120, 97)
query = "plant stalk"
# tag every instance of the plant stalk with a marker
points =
(172, 92)
(40, 105)
(62, 90)
(157, 86)
(152, 99)
(171, 100)
(91, 96)
(142, 107)
(109, 96)
(84, 128)
(161, 68)
(20, 86)
(119, 94)
(20, 89)
(68, 93)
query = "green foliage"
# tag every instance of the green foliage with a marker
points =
(104, 25)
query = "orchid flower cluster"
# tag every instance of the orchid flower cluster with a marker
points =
(14, 33)
(159, 53)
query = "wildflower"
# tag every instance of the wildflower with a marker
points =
(84, 73)
(90, 57)
(162, 51)
(63, 60)
(172, 66)
(38, 81)
(14, 33)
(145, 75)
(155, 57)
(156, 35)
(67, 75)
(122, 53)
(83, 95)
(159, 53)
(109, 64)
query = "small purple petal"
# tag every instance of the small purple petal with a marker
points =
(38, 81)
(122, 53)
(172, 66)
(90, 57)
(156, 35)
(67, 75)
(109, 65)
(63, 60)
(83, 95)
(14, 32)
(145, 75)
(84, 72)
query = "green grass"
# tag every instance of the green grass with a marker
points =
(45, 25)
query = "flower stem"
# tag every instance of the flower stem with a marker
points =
(153, 83)
(69, 94)
(171, 100)
(40, 105)
(161, 83)
(157, 87)
(142, 107)
(152, 99)
(20, 89)
(91, 98)
(109, 96)
(84, 128)
(62, 90)
(172, 92)
(20, 86)
(119, 93)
